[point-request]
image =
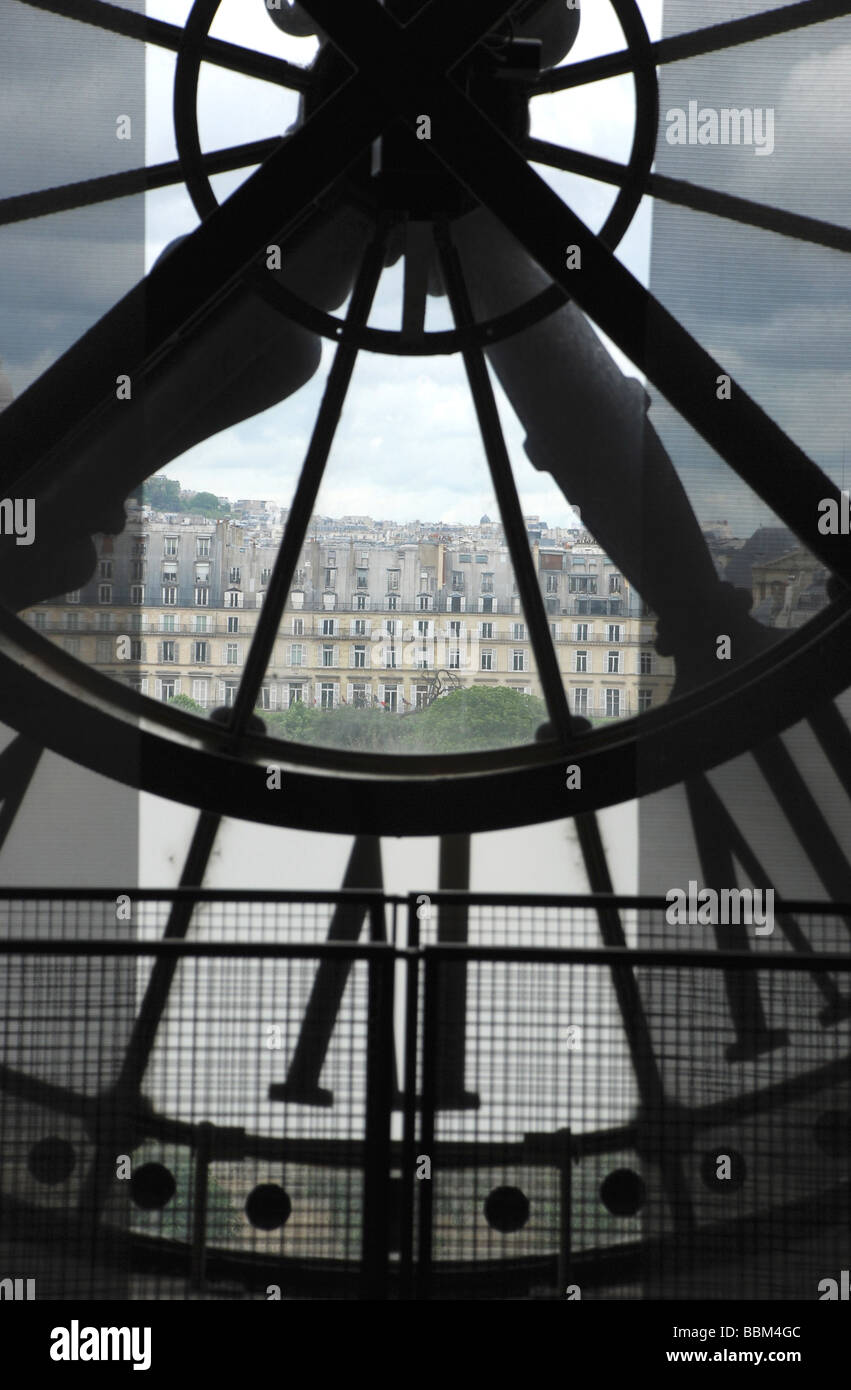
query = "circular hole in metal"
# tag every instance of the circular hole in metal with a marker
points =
(832, 1133)
(52, 1160)
(507, 1209)
(268, 1206)
(623, 1192)
(152, 1186)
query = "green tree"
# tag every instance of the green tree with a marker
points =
(206, 502)
(163, 494)
(187, 703)
(463, 721)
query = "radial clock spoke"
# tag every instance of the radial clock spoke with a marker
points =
(690, 195)
(85, 192)
(307, 489)
(651, 337)
(116, 20)
(714, 39)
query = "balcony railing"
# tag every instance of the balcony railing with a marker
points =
(434, 1112)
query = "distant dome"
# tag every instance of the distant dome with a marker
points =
(7, 395)
(485, 521)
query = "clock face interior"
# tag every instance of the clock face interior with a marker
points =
(386, 316)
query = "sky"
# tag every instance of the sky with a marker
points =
(408, 445)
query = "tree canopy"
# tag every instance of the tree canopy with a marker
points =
(460, 722)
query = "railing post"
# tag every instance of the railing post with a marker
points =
(380, 1059)
(429, 1105)
(409, 1104)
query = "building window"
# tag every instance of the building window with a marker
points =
(390, 656)
(233, 598)
(645, 700)
(423, 602)
(170, 545)
(326, 695)
(328, 656)
(169, 574)
(168, 651)
(330, 579)
(613, 704)
(104, 593)
(552, 583)
(137, 569)
(392, 602)
(613, 632)
(518, 660)
(140, 546)
(359, 627)
(202, 574)
(457, 579)
(72, 645)
(137, 649)
(393, 577)
(295, 695)
(466, 557)
(170, 594)
(265, 576)
(420, 696)
(455, 658)
(233, 623)
(202, 622)
(264, 698)
(454, 605)
(168, 688)
(39, 620)
(359, 696)
(168, 622)
(103, 650)
(487, 660)
(74, 596)
(202, 547)
(297, 654)
(614, 583)
(137, 622)
(359, 656)
(201, 653)
(487, 583)
(104, 622)
(481, 559)
(423, 659)
(583, 584)
(202, 597)
(298, 627)
(580, 700)
(423, 627)
(201, 692)
(329, 627)
(645, 663)
(361, 602)
(362, 579)
(581, 662)
(614, 663)
(105, 569)
(518, 632)
(234, 574)
(231, 687)
(486, 631)
(232, 654)
(455, 628)
(391, 698)
(72, 622)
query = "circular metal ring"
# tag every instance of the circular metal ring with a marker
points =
(392, 341)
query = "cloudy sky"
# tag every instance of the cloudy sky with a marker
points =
(774, 311)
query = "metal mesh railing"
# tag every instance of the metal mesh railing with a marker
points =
(207, 1098)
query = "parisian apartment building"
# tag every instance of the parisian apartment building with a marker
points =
(174, 602)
